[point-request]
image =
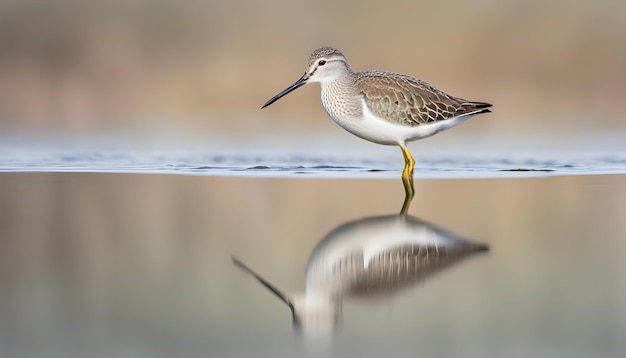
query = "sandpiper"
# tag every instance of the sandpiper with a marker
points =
(373, 257)
(381, 106)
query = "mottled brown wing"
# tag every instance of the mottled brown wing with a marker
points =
(407, 265)
(410, 101)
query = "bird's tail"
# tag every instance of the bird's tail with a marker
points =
(477, 107)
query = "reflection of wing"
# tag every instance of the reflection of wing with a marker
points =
(380, 255)
(406, 265)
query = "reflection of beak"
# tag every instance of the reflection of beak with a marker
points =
(299, 83)
(280, 294)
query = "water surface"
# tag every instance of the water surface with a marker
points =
(333, 162)
(126, 265)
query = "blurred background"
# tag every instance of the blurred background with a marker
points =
(195, 69)
(109, 265)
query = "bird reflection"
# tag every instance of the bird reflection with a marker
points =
(409, 193)
(371, 257)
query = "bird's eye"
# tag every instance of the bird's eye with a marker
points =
(321, 63)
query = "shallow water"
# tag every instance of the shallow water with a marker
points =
(362, 162)
(126, 265)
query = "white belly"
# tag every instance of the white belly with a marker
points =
(381, 131)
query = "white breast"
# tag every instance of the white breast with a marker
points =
(369, 126)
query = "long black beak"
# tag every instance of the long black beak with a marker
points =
(299, 83)
(277, 292)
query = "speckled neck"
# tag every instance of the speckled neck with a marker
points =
(340, 97)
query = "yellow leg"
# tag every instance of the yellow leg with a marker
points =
(409, 163)
(407, 180)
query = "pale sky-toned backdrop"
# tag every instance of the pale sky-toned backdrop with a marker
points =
(201, 69)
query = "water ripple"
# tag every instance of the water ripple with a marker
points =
(255, 163)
